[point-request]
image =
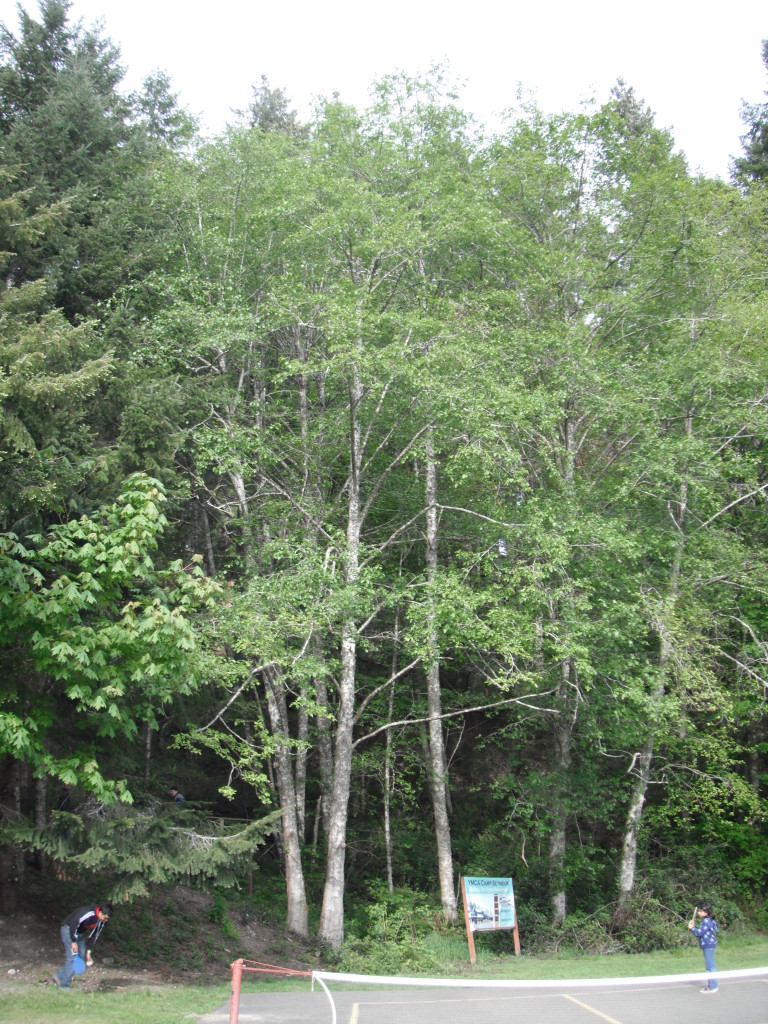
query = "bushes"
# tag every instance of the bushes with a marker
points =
(388, 935)
(219, 914)
(646, 924)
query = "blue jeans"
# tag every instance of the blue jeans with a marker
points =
(65, 973)
(709, 963)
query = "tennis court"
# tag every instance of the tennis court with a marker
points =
(740, 1000)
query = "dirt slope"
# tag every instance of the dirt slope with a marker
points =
(199, 952)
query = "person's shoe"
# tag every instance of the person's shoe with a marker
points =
(55, 981)
(708, 991)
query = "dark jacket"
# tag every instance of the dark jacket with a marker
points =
(84, 923)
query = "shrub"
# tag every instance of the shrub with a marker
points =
(387, 935)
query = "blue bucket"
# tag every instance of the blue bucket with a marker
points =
(79, 965)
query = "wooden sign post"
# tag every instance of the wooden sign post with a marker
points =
(489, 905)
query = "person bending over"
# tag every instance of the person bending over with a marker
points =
(79, 931)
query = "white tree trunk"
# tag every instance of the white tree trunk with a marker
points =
(634, 817)
(331, 928)
(324, 755)
(147, 750)
(644, 761)
(438, 770)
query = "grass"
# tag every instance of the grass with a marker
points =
(185, 1004)
(177, 1005)
(733, 953)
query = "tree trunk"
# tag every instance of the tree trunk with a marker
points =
(331, 929)
(438, 771)
(302, 734)
(565, 720)
(324, 755)
(41, 814)
(563, 731)
(644, 761)
(297, 918)
(634, 816)
(147, 750)
(388, 773)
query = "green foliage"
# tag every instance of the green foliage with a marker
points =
(64, 128)
(220, 915)
(134, 851)
(51, 374)
(286, 326)
(107, 634)
(648, 925)
(158, 112)
(388, 933)
(752, 166)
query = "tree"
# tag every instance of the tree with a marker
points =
(158, 112)
(51, 373)
(753, 165)
(270, 111)
(66, 133)
(706, 488)
(299, 359)
(626, 285)
(96, 638)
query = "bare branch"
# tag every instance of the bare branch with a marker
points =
(478, 515)
(454, 714)
(738, 501)
(393, 678)
(393, 536)
(393, 465)
(298, 507)
(234, 696)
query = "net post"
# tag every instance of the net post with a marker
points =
(234, 999)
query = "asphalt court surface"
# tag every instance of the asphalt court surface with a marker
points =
(738, 1001)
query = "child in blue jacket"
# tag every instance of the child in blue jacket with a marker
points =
(706, 933)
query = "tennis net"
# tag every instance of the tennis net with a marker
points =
(741, 998)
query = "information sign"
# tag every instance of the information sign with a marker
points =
(489, 905)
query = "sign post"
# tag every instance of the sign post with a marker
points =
(489, 905)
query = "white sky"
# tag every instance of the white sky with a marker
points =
(692, 65)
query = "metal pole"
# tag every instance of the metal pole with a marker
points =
(234, 999)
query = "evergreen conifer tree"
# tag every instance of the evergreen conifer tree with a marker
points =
(753, 164)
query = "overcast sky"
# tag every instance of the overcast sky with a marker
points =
(692, 66)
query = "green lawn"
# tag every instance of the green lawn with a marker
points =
(732, 954)
(182, 1005)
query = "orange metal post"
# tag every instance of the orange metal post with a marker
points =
(234, 999)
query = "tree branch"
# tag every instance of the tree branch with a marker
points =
(454, 714)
